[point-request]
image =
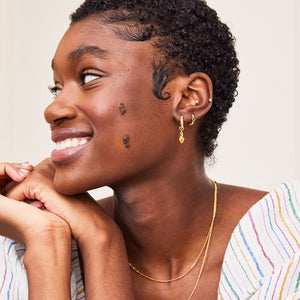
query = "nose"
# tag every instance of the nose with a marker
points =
(59, 110)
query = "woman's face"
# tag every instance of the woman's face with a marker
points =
(108, 125)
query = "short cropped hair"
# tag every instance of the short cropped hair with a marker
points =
(189, 37)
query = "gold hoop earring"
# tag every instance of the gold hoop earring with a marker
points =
(193, 120)
(181, 128)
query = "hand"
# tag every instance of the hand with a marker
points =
(48, 247)
(13, 172)
(99, 238)
(19, 220)
(81, 212)
(43, 233)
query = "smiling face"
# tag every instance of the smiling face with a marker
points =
(108, 125)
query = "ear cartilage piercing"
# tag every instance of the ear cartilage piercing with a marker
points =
(197, 102)
(210, 100)
(126, 140)
(122, 109)
(181, 128)
(193, 120)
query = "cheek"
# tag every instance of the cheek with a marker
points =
(131, 134)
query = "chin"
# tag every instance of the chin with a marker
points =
(67, 187)
(70, 183)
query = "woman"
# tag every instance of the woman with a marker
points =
(141, 91)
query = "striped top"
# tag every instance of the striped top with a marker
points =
(262, 260)
(13, 279)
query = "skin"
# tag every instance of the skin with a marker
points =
(159, 216)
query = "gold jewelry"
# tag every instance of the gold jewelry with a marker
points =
(208, 236)
(205, 246)
(197, 102)
(172, 279)
(210, 100)
(193, 120)
(181, 128)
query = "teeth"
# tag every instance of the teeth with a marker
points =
(82, 141)
(75, 142)
(69, 143)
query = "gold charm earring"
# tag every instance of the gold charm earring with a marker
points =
(181, 128)
(193, 120)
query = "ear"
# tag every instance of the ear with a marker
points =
(195, 97)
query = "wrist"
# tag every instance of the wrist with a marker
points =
(48, 266)
(101, 236)
(105, 261)
(50, 239)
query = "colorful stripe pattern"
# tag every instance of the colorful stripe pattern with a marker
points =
(262, 260)
(13, 278)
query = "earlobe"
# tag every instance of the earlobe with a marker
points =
(196, 98)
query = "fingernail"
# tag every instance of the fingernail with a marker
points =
(23, 172)
(26, 164)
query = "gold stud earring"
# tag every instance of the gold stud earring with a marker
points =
(193, 120)
(197, 102)
(181, 128)
(210, 100)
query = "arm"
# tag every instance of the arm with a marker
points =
(47, 239)
(48, 247)
(48, 263)
(107, 275)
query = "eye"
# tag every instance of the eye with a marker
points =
(86, 78)
(54, 90)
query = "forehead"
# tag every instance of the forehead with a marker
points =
(90, 37)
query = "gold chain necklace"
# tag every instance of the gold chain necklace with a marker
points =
(209, 237)
(205, 246)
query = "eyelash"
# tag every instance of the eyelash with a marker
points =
(54, 90)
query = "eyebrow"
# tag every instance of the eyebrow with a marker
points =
(85, 50)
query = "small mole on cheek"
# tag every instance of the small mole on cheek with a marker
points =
(126, 140)
(122, 109)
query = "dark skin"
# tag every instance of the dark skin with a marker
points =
(163, 201)
(225, 222)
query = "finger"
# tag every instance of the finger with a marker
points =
(15, 172)
(26, 165)
(38, 204)
(8, 172)
(16, 192)
(35, 203)
(8, 187)
(23, 169)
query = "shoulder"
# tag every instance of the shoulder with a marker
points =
(263, 253)
(238, 200)
(233, 203)
(13, 278)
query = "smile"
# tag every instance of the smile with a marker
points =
(71, 143)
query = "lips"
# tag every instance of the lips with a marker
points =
(69, 143)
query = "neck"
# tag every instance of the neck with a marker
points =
(165, 219)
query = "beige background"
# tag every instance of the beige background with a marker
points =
(259, 144)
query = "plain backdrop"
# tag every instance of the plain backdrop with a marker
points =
(259, 145)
